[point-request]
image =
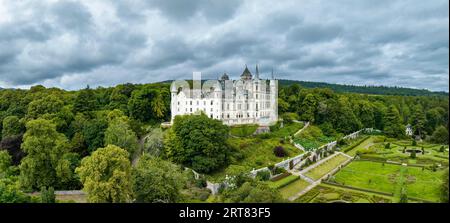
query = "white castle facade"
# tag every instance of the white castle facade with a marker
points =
(249, 100)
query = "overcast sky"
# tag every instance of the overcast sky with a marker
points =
(71, 44)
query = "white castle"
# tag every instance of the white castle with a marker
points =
(249, 100)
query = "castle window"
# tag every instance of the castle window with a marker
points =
(212, 102)
(190, 102)
(178, 103)
(191, 109)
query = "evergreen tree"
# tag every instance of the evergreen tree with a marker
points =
(392, 123)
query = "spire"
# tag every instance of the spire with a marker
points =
(273, 77)
(246, 75)
(257, 72)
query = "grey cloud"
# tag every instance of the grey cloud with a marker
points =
(73, 43)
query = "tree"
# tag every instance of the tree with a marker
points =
(156, 180)
(11, 193)
(50, 104)
(44, 164)
(106, 175)
(12, 145)
(198, 142)
(48, 195)
(366, 114)
(12, 126)
(308, 108)
(154, 142)
(5, 162)
(85, 101)
(387, 146)
(279, 151)
(418, 120)
(413, 154)
(440, 135)
(120, 134)
(94, 132)
(392, 123)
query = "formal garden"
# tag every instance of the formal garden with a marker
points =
(392, 179)
(325, 193)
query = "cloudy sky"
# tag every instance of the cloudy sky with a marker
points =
(70, 44)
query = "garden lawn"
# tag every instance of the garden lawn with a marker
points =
(424, 184)
(325, 167)
(243, 130)
(293, 188)
(369, 175)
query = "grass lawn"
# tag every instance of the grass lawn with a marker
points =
(325, 167)
(293, 188)
(424, 184)
(243, 130)
(369, 175)
(420, 183)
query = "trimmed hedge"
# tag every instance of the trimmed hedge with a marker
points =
(283, 182)
(356, 144)
(356, 188)
(279, 177)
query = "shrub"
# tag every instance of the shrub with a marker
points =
(413, 154)
(279, 151)
(414, 143)
(387, 146)
(263, 175)
(442, 149)
(279, 170)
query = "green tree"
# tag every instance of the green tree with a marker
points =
(392, 123)
(120, 134)
(154, 142)
(50, 104)
(12, 126)
(156, 180)
(418, 120)
(140, 104)
(44, 164)
(5, 162)
(85, 101)
(198, 142)
(10, 192)
(440, 135)
(106, 175)
(48, 195)
(308, 108)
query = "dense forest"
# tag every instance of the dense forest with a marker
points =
(53, 139)
(381, 90)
